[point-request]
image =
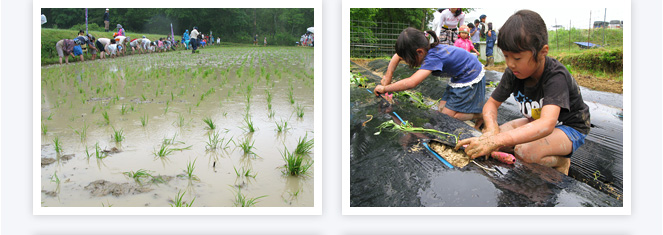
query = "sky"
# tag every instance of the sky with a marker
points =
(579, 17)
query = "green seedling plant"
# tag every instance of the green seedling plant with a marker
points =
(304, 146)
(249, 127)
(118, 135)
(242, 201)
(210, 123)
(163, 151)
(299, 110)
(407, 127)
(106, 118)
(83, 132)
(139, 175)
(188, 172)
(143, 120)
(295, 164)
(247, 146)
(282, 126)
(44, 129)
(244, 172)
(213, 141)
(57, 144)
(178, 200)
(124, 109)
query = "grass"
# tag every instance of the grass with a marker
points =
(247, 146)
(210, 123)
(283, 126)
(213, 141)
(139, 175)
(57, 144)
(143, 120)
(304, 146)
(178, 200)
(98, 154)
(164, 150)
(294, 163)
(249, 127)
(124, 109)
(244, 172)
(106, 118)
(117, 136)
(242, 201)
(299, 110)
(188, 172)
(83, 132)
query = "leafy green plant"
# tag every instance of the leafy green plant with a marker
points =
(242, 201)
(57, 144)
(139, 175)
(247, 146)
(117, 136)
(106, 118)
(124, 109)
(83, 132)
(178, 202)
(188, 172)
(210, 123)
(299, 110)
(44, 129)
(213, 141)
(143, 120)
(304, 146)
(244, 172)
(294, 163)
(407, 127)
(249, 127)
(282, 126)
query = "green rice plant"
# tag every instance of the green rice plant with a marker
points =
(132, 108)
(143, 97)
(294, 163)
(247, 146)
(44, 129)
(178, 200)
(163, 151)
(55, 179)
(98, 153)
(106, 118)
(50, 116)
(188, 173)
(104, 205)
(143, 120)
(124, 109)
(304, 146)
(94, 108)
(269, 97)
(271, 113)
(245, 172)
(139, 175)
(83, 132)
(282, 126)
(165, 111)
(210, 123)
(57, 144)
(299, 110)
(291, 96)
(407, 127)
(117, 136)
(248, 124)
(180, 121)
(242, 201)
(213, 141)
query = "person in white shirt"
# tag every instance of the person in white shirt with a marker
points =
(450, 20)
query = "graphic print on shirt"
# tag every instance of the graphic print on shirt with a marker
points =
(528, 107)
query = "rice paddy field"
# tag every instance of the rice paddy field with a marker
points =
(230, 126)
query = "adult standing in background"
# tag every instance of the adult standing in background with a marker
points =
(106, 20)
(482, 22)
(474, 35)
(194, 39)
(451, 19)
(185, 39)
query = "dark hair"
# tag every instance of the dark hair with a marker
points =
(458, 12)
(412, 39)
(470, 25)
(525, 30)
(477, 21)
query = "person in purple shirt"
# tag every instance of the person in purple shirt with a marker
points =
(465, 92)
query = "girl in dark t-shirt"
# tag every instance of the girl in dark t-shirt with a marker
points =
(556, 118)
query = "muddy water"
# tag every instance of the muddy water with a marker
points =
(389, 170)
(167, 88)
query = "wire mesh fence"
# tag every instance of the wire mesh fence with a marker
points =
(370, 39)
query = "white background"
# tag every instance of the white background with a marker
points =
(16, 171)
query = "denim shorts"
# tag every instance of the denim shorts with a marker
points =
(467, 99)
(78, 50)
(574, 135)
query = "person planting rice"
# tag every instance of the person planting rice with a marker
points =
(185, 39)
(465, 92)
(556, 118)
(82, 40)
(145, 44)
(101, 44)
(112, 48)
(122, 43)
(65, 48)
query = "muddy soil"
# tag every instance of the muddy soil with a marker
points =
(158, 102)
(522, 184)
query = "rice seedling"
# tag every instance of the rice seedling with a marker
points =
(106, 118)
(97, 152)
(291, 96)
(50, 116)
(242, 201)
(213, 141)
(304, 146)
(124, 109)
(143, 120)
(299, 110)
(139, 175)
(271, 113)
(282, 126)
(55, 179)
(83, 132)
(407, 127)
(180, 121)
(104, 205)
(178, 200)
(94, 108)
(188, 173)
(57, 144)
(44, 129)
(117, 136)
(247, 146)
(244, 172)
(294, 163)
(163, 151)
(143, 97)
(248, 124)
(210, 123)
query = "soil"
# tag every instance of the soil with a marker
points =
(456, 158)
(605, 84)
(102, 188)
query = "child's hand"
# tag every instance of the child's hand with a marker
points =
(478, 146)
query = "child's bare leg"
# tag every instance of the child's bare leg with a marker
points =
(459, 115)
(548, 151)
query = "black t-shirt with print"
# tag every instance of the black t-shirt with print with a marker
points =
(556, 87)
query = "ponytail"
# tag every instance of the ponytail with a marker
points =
(436, 40)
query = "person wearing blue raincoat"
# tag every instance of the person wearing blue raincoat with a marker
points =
(185, 39)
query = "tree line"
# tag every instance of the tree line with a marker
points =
(281, 26)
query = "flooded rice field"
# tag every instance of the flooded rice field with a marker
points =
(396, 168)
(175, 129)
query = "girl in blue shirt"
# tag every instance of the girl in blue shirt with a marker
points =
(465, 92)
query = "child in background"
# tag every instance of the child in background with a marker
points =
(464, 95)
(265, 41)
(491, 37)
(464, 41)
(556, 118)
(475, 34)
(112, 49)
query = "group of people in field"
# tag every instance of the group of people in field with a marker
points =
(194, 39)
(118, 44)
(555, 119)
(448, 26)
